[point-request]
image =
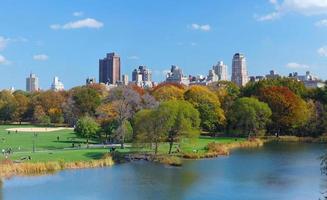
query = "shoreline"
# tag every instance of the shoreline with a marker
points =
(213, 150)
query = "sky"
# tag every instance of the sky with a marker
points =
(66, 38)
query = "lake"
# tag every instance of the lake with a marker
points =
(275, 171)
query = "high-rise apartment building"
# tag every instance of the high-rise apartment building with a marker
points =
(176, 76)
(239, 70)
(109, 69)
(142, 77)
(144, 72)
(57, 85)
(32, 83)
(221, 71)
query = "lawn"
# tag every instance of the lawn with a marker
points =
(23, 141)
(49, 148)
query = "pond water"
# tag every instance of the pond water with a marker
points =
(275, 171)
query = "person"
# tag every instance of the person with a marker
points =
(73, 145)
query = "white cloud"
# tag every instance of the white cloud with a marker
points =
(304, 7)
(193, 44)
(321, 23)
(3, 60)
(204, 27)
(84, 23)
(3, 43)
(41, 57)
(78, 14)
(322, 51)
(270, 16)
(133, 58)
(294, 65)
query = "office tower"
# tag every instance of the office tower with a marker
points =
(221, 70)
(239, 70)
(32, 83)
(212, 76)
(109, 69)
(57, 85)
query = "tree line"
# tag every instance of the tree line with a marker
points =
(169, 112)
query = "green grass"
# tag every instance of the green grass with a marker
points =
(62, 155)
(47, 148)
(23, 141)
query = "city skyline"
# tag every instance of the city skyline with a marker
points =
(71, 38)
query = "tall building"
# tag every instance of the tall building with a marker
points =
(57, 85)
(221, 71)
(109, 69)
(32, 83)
(125, 79)
(144, 72)
(142, 77)
(176, 76)
(239, 70)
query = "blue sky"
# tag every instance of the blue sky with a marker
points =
(67, 37)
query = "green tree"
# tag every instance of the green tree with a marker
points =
(85, 100)
(87, 127)
(250, 115)
(153, 125)
(186, 121)
(208, 105)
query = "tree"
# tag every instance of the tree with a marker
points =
(185, 122)
(85, 100)
(23, 103)
(253, 88)
(153, 125)
(87, 127)
(289, 111)
(250, 115)
(208, 105)
(125, 103)
(227, 92)
(166, 92)
(8, 106)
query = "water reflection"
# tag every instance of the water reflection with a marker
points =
(273, 172)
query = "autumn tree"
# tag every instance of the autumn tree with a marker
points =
(289, 111)
(166, 92)
(250, 115)
(254, 88)
(125, 103)
(23, 103)
(208, 105)
(8, 106)
(227, 92)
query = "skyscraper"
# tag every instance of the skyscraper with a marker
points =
(109, 69)
(32, 83)
(239, 70)
(57, 85)
(221, 70)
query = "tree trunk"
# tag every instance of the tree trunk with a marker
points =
(156, 148)
(171, 142)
